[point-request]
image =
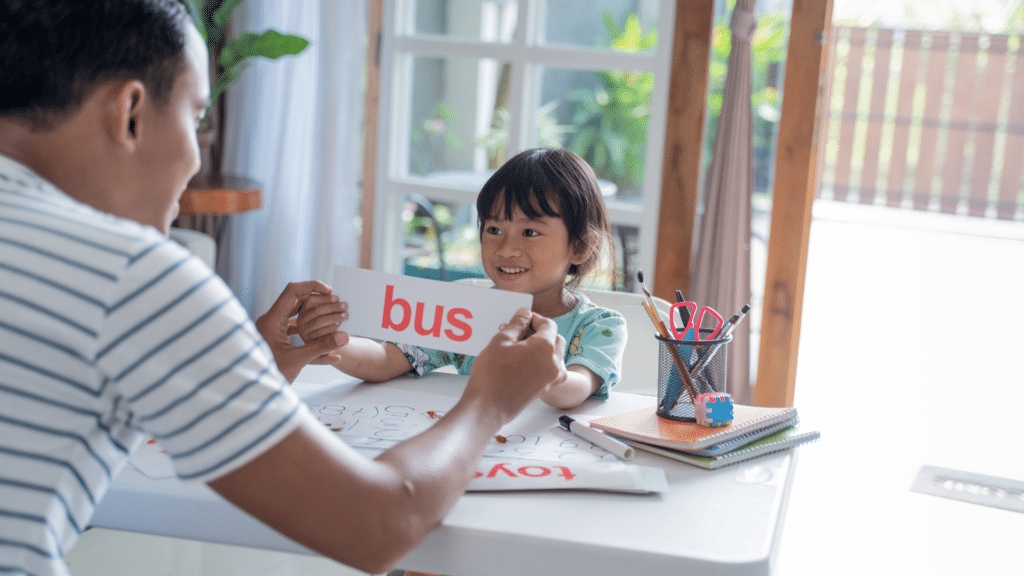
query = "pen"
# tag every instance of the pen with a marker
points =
(596, 438)
(726, 331)
(734, 320)
(684, 312)
(684, 374)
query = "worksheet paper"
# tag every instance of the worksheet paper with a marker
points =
(532, 452)
(377, 418)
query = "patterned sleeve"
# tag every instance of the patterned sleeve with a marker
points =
(190, 365)
(426, 360)
(598, 346)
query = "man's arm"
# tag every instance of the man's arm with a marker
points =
(321, 493)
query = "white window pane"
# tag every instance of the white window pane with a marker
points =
(453, 107)
(619, 25)
(483, 20)
(456, 256)
(607, 112)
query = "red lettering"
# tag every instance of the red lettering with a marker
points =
(566, 473)
(460, 330)
(435, 329)
(525, 471)
(389, 305)
(500, 467)
(453, 319)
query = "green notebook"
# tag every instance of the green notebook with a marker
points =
(780, 440)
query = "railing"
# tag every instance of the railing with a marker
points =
(926, 120)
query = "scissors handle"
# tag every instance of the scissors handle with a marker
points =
(691, 328)
(685, 312)
(698, 322)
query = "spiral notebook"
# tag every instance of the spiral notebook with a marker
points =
(646, 426)
(741, 441)
(772, 443)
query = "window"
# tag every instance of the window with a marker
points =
(468, 83)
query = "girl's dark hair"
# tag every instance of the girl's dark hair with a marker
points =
(53, 52)
(551, 182)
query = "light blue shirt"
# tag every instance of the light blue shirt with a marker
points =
(595, 338)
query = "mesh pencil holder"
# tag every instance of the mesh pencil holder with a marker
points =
(704, 360)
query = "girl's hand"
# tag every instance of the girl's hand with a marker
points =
(319, 315)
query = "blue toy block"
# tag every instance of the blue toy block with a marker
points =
(713, 409)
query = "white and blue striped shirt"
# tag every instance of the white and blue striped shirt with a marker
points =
(108, 328)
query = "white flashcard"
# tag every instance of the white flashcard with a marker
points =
(447, 316)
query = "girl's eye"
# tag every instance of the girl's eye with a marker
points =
(530, 232)
(493, 230)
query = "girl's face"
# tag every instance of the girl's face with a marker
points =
(531, 256)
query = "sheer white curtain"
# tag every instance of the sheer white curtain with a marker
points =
(294, 125)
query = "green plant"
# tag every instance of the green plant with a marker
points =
(611, 121)
(232, 56)
(436, 133)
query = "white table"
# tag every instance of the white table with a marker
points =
(710, 522)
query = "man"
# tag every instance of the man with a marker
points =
(107, 328)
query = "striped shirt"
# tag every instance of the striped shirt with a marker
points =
(107, 328)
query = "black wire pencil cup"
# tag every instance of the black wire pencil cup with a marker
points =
(704, 363)
(692, 363)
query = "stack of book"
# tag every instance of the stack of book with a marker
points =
(754, 432)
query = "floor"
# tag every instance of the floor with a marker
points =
(908, 341)
(908, 357)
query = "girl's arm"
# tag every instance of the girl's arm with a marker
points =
(371, 361)
(579, 386)
(363, 358)
(593, 355)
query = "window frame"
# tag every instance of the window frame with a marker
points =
(527, 57)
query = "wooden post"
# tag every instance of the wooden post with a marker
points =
(374, 29)
(684, 137)
(792, 197)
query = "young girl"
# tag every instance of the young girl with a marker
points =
(543, 228)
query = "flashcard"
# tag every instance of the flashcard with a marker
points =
(445, 316)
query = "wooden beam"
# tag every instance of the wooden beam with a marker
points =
(684, 136)
(374, 30)
(796, 173)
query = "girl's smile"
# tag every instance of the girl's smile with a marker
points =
(531, 255)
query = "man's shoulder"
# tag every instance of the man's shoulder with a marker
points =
(50, 220)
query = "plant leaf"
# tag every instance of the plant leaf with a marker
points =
(225, 79)
(270, 44)
(223, 14)
(196, 9)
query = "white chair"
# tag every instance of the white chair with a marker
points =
(199, 243)
(640, 360)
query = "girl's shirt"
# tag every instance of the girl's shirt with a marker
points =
(595, 338)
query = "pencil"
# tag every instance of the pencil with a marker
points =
(684, 374)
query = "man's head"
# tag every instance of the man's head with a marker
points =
(102, 97)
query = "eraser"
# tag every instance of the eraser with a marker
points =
(713, 409)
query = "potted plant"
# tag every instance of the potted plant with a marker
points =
(228, 59)
(611, 120)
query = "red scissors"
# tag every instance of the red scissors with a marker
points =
(691, 331)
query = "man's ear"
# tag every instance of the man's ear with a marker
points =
(123, 118)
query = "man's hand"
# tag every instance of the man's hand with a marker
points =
(524, 358)
(278, 323)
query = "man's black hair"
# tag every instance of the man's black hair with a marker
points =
(53, 52)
